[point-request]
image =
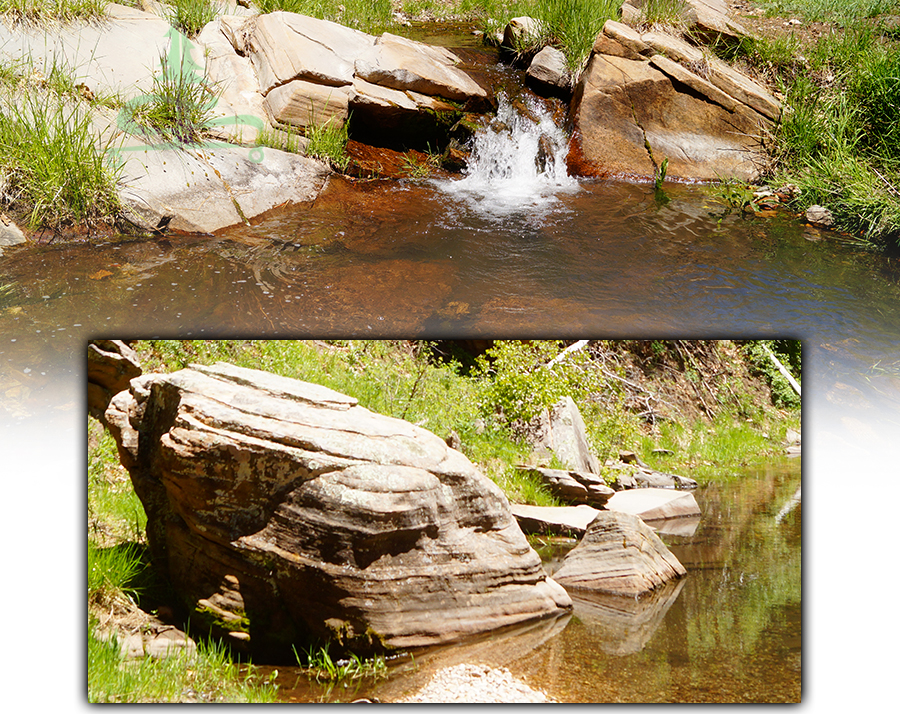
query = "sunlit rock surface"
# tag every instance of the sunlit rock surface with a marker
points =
(651, 100)
(283, 511)
(619, 554)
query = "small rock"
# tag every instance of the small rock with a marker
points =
(819, 216)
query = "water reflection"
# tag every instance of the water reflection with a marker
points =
(730, 631)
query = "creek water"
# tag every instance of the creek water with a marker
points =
(570, 259)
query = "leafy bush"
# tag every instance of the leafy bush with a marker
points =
(788, 353)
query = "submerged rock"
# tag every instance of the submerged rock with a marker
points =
(284, 512)
(619, 554)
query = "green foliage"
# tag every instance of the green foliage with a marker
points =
(328, 142)
(191, 16)
(50, 157)
(179, 108)
(789, 354)
(517, 384)
(40, 11)
(732, 193)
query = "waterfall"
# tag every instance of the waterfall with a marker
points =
(517, 163)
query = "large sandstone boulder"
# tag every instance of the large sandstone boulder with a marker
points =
(311, 71)
(619, 554)
(284, 512)
(646, 99)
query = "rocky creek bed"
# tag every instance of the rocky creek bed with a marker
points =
(697, 118)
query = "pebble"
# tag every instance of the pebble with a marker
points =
(475, 683)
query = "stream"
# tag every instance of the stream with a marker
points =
(465, 257)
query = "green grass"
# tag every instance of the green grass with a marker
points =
(713, 452)
(328, 142)
(320, 665)
(665, 12)
(118, 578)
(372, 16)
(49, 153)
(207, 676)
(281, 140)
(840, 140)
(179, 108)
(569, 25)
(191, 16)
(841, 11)
(39, 11)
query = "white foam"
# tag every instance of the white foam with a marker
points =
(505, 174)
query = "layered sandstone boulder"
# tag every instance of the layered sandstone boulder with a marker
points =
(284, 512)
(650, 98)
(621, 555)
(311, 71)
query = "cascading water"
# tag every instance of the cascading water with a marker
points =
(518, 162)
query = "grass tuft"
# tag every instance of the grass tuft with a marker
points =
(179, 109)
(328, 142)
(49, 154)
(42, 11)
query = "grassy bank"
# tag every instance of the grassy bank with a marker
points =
(839, 140)
(629, 392)
(122, 593)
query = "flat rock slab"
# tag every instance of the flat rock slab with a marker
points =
(619, 554)
(654, 503)
(116, 54)
(553, 520)
(286, 510)
(207, 188)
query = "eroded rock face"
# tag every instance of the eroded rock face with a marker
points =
(648, 98)
(619, 554)
(112, 364)
(285, 512)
